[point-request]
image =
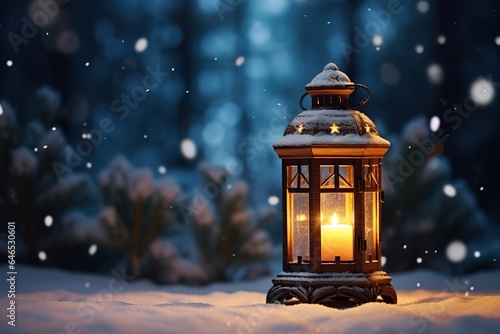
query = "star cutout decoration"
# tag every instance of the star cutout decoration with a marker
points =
(335, 128)
(299, 128)
(367, 128)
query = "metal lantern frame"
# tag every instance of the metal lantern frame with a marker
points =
(331, 170)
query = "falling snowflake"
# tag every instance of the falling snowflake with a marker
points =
(141, 44)
(240, 61)
(188, 149)
(48, 220)
(92, 249)
(449, 190)
(435, 73)
(42, 255)
(456, 251)
(273, 200)
(377, 40)
(482, 91)
(10, 63)
(422, 6)
(162, 169)
(434, 123)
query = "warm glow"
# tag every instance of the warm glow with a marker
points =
(335, 219)
(336, 240)
(302, 217)
(367, 127)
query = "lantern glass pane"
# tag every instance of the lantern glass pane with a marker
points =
(298, 227)
(344, 179)
(337, 226)
(371, 224)
(298, 176)
(371, 176)
(304, 176)
(327, 176)
(292, 177)
(346, 176)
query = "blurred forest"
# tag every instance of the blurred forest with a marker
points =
(141, 131)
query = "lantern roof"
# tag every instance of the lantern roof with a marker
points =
(331, 123)
(331, 127)
(331, 76)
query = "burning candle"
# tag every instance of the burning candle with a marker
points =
(336, 240)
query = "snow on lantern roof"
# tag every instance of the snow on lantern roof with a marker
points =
(330, 77)
(330, 127)
(333, 122)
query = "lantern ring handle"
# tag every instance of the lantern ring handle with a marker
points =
(301, 99)
(366, 98)
(368, 94)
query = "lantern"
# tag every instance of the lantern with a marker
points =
(331, 169)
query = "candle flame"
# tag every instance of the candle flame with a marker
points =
(335, 219)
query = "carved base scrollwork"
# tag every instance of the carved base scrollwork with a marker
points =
(332, 288)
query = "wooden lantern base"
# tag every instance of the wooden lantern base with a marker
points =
(332, 289)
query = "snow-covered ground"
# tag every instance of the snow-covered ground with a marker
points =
(56, 301)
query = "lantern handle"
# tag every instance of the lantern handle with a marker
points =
(301, 99)
(368, 94)
(366, 98)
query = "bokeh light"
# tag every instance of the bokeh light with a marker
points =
(449, 190)
(434, 123)
(456, 251)
(482, 91)
(188, 149)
